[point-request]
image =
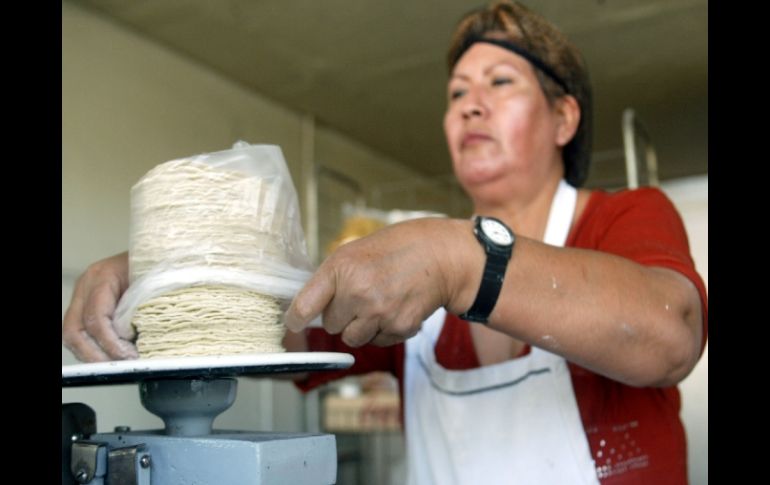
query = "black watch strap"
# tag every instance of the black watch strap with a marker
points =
(498, 240)
(489, 291)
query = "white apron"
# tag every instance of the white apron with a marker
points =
(512, 422)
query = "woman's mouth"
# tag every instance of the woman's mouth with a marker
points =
(474, 138)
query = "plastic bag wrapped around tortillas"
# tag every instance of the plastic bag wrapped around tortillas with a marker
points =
(228, 218)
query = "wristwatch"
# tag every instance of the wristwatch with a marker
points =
(497, 240)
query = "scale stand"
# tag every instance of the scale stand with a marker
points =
(188, 394)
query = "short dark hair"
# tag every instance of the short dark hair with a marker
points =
(512, 21)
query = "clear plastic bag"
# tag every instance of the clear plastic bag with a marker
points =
(224, 218)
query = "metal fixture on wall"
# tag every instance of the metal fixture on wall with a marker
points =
(633, 131)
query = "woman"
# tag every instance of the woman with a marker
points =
(593, 310)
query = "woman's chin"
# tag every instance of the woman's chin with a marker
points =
(479, 172)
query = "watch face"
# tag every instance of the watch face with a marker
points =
(497, 232)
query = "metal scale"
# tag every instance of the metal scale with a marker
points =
(188, 393)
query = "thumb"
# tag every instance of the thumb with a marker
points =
(311, 300)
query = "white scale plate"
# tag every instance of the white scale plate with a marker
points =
(128, 371)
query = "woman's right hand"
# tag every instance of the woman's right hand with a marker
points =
(87, 328)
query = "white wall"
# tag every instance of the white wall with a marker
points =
(129, 104)
(690, 195)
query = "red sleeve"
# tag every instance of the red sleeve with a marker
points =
(369, 358)
(644, 226)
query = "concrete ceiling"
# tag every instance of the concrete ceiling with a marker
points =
(375, 71)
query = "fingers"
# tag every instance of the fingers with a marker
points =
(311, 300)
(386, 339)
(338, 314)
(399, 330)
(379, 332)
(87, 328)
(97, 321)
(77, 339)
(359, 332)
(85, 348)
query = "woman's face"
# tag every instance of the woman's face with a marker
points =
(501, 131)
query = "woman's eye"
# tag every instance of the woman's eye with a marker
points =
(456, 93)
(499, 81)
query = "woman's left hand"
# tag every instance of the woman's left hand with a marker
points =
(380, 288)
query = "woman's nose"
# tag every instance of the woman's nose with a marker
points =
(473, 105)
(471, 111)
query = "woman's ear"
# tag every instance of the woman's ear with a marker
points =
(568, 111)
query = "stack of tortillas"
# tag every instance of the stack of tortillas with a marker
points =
(193, 216)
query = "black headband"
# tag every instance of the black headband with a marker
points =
(506, 44)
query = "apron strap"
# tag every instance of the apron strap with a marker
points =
(561, 214)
